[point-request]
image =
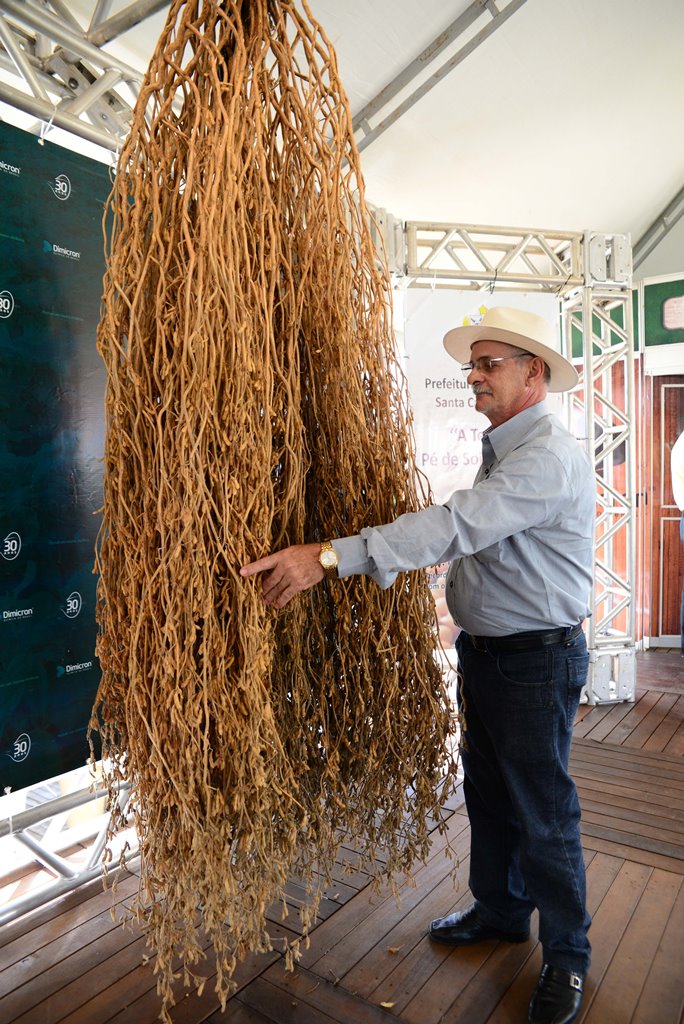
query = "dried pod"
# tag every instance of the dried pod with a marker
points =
(253, 400)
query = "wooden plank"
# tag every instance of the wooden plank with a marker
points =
(621, 805)
(344, 927)
(675, 748)
(659, 668)
(306, 999)
(658, 714)
(608, 749)
(601, 726)
(237, 1013)
(63, 988)
(418, 963)
(584, 724)
(662, 997)
(610, 921)
(132, 997)
(628, 970)
(454, 973)
(50, 913)
(637, 825)
(400, 939)
(636, 797)
(36, 950)
(608, 753)
(632, 841)
(637, 800)
(629, 723)
(305, 988)
(661, 736)
(480, 997)
(636, 779)
(638, 856)
(436, 998)
(639, 776)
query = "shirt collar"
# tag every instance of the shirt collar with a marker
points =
(513, 432)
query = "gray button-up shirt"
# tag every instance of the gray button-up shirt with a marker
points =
(520, 540)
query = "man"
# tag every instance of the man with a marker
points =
(520, 543)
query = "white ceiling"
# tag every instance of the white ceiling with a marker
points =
(569, 116)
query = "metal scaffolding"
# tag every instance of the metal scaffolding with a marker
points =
(59, 73)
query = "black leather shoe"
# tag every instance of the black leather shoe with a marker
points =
(558, 997)
(466, 928)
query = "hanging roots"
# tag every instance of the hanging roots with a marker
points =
(253, 401)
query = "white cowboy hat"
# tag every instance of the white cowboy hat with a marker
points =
(517, 327)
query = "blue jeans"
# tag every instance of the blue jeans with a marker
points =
(518, 710)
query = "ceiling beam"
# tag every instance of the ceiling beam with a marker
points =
(654, 234)
(64, 76)
(36, 20)
(403, 80)
(104, 31)
(54, 116)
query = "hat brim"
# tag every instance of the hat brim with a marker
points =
(459, 341)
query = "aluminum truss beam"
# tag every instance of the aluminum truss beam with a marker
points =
(63, 77)
(663, 223)
(605, 399)
(457, 30)
(591, 273)
(468, 256)
(67, 875)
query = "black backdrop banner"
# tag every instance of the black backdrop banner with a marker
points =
(51, 444)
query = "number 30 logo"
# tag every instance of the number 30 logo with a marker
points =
(21, 748)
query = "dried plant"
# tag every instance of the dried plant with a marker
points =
(253, 400)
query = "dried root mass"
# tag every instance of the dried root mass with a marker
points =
(253, 401)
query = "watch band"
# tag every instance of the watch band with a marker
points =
(328, 560)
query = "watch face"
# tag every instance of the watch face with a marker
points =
(328, 558)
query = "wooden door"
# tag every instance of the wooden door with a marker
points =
(666, 561)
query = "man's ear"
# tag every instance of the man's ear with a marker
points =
(535, 369)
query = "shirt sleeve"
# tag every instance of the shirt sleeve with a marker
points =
(531, 488)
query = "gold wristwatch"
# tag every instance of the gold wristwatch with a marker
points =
(329, 560)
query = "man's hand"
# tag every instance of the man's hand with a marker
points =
(287, 572)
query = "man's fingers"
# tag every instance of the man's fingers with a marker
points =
(286, 572)
(261, 564)
(271, 585)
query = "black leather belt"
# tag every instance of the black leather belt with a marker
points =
(529, 641)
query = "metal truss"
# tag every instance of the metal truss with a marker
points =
(59, 73)
(468, 256)
(606, 401)
(67, 876)
(389, 105)
(591, 273)
(660, 227)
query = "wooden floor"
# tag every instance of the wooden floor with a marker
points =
(369, 960)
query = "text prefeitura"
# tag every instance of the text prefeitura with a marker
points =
(449, 384)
